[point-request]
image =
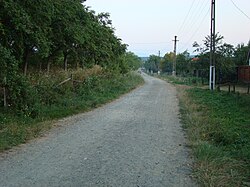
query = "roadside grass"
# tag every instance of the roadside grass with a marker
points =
(189, 81)
(55, 102)
(218, 127)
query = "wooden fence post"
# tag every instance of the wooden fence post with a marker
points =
(248, 89)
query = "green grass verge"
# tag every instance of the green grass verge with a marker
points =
(218, 127)
(189, 81)
(54, 103)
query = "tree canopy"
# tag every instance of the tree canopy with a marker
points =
(57, 32)
(38, 36)
(228, 58)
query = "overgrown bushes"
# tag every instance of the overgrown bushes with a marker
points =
(44, 100)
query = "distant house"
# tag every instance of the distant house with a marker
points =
(195, 59)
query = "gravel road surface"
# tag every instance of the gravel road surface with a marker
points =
(135, 141)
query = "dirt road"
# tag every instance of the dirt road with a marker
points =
(136, 140)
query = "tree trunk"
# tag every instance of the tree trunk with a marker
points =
(65, 61)
(4, 97)
(48, 65)
(25, 60)
(76, 65)
(78, 61)
(4, 93)
(40, 66)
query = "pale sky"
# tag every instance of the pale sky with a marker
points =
(149, 26)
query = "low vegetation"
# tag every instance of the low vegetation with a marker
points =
(188, 80)
(46, 100)
(217, 124)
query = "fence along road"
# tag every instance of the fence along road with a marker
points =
(136, 140)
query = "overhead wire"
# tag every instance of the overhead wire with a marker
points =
(193, 26)
(196, 31)
(240, 9)
(198, 9)
(195, 12)
(185, 19)
(192, 18)
(160, 45)
(199, 14)
(149, 43)
(191, 13)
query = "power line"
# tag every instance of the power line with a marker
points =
(195, 20)
(149, 43)
(198, 15)
(185, 19)
(194, 17)
(194, 33)
(240, 9)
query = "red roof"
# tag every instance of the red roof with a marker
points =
(195, 59)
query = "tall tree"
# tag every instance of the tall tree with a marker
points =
(67, 29)
(183, 63)
(223, 56)
(26, 27)
(166, 64)
(132, 61)
(241, 54)
(153, 63)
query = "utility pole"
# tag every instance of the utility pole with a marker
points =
(158, 66)
(174, 61)
(212, 48)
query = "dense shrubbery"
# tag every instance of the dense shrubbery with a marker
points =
(43, 43)
(37, 37)
(44, 100)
